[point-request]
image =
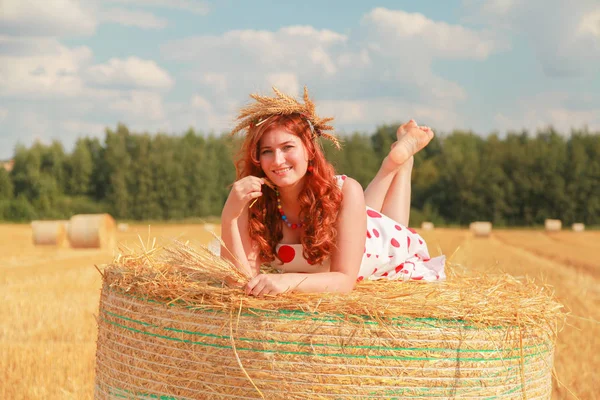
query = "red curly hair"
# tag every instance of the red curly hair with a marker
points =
(320, 199)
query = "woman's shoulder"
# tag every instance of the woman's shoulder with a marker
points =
(352, 192)
(347, 183)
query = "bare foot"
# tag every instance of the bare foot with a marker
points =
(411, 139)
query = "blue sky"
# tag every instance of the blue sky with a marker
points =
(72, 68)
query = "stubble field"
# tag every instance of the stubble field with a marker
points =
(49, 298)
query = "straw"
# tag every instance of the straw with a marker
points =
(166, 329)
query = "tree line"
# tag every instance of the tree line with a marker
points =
(517, 179)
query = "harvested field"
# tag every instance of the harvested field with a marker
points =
(50, 297)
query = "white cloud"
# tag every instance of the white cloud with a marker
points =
(140, 105)
(54, 73)
(385, 64)
(194, 6)
(46, 18)
(83, 128)
(498, 7)
(286, 82)
(132, 71)
(200, 103)
(414, 33)
(590, 24)
(218, 82)
(551, 108)
(562, 34)
(139, 19)
(285, 46)
(363, 114)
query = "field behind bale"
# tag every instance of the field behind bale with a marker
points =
(50, 299)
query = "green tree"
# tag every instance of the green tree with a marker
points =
(6, 185)
(20, 210)
(80, 169)
(457, 197)
(359, 160)
(53, 163)
(196, 171)
(26, 170)
(144, 204)
(118, 164)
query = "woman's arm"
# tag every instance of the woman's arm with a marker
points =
(352, 230)
(345, 259)
(238, 247)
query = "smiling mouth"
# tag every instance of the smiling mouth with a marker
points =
(282, 171)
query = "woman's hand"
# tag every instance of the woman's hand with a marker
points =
(243, 191)
(272, 284)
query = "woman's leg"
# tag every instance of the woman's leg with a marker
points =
(378, 188)
(390, 189)
(397, 200)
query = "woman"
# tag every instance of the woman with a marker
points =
(288, 209)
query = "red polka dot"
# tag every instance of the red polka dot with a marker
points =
(376, 232)
(408, 242)
(412, 230)
(286, 253)
(398, 227)
(377, 256)
(420, 241)
(399, 267)
(373, 214)
(384, 274)
(344, 177)
(360, 278)
(426, 259)
(416, 278)
(368, 255)
(368, 234)
(375, 270)
(395, 243)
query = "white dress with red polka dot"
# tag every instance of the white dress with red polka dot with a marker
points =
(392, 251)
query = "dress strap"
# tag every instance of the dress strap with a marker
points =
(339, 179)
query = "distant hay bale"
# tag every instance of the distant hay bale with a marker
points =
(578, 227)
(169, 328)
(427, 226)
(121, 227)
(52, 233)
(481, 228)
(92, 231)
(553, 225)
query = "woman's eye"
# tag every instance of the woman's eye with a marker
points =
(288, 147)
(265, 152)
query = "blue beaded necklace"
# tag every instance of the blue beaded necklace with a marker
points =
(283, 216)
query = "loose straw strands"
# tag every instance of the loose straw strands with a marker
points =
(168, 326)
(195, 275)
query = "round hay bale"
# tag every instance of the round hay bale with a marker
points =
(92, 231)
(122, 227)
(578, 227)
(52, 233)
(553, 225)
(168, 332)
(427, 226)
(481, 228)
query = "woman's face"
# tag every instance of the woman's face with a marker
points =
(283, 157)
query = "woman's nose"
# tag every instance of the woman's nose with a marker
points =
(279, 157)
